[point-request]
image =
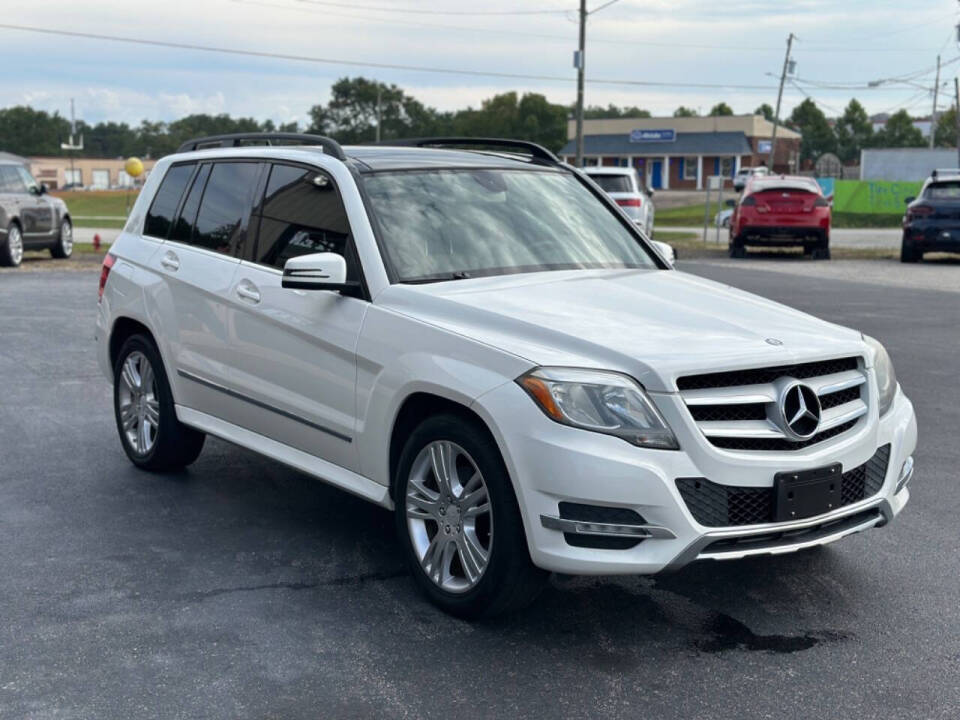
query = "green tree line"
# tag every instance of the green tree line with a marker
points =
(351, 116)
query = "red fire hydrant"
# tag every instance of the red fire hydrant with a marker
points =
(96, 241)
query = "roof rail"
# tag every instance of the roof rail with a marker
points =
(944, 171)
(537, 151)
(330, 146)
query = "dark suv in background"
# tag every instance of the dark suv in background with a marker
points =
(30, 219)
(932, 221)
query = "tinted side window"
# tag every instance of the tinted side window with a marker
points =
(183, 227)
(302, 217)
(26, 178)
(10, 180)
(160, 216)
(224, 209)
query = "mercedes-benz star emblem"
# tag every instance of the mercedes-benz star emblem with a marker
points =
(773, 341)
(800, 411)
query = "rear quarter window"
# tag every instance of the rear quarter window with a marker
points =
(165, 202)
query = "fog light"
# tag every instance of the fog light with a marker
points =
(906, 474)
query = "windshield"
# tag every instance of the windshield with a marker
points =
(943, 191)
(613, 183)
(448, 224)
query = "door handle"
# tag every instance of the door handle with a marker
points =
(170, 261)
(248, 291)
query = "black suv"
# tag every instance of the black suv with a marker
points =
(932, 222)
(29, 218)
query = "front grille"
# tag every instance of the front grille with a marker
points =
(739, 410)
(766, 375)
(716, 505)
(734, 443)
(600, 514)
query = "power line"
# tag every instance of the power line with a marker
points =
(421, 11)
(564, 39)
(364, 63)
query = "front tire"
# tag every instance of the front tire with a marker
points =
(64, 247)
(459, 523)
(11, 250)
(152, 436)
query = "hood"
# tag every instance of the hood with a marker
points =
(654, 325)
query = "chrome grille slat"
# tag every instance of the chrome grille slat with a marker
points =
(729, 407)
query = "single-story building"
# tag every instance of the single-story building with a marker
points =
(90, 173)
(680, 153)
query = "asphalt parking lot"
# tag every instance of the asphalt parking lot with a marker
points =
(243, 589)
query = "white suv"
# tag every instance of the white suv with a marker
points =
(482, 341)
(623, 185)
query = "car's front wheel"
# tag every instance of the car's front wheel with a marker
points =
(459, 522)
(64, 245)
(11, 250)
(151, 434)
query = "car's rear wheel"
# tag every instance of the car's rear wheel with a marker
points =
(459, 523)
(737, 249)
(151, 434)
(909, 254)
(11, 251)
(64, 246)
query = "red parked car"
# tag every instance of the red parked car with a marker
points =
(781, 210)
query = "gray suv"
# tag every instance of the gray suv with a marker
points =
(29, 218)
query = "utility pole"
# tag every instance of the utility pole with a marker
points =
(956, 113)
(933, 115)
(72, 145)
(776, 113)
(379, 114)
(580, 63)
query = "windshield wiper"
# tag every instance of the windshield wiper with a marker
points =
(458, 275)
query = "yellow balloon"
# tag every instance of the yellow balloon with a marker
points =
(134, 167)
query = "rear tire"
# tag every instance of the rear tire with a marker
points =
(909, 254)
(432, 518)
(151, 435)
(11, 250)
(64, 246)
(737, 249)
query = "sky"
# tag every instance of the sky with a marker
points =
(736, 47)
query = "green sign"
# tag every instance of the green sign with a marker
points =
(877, 197)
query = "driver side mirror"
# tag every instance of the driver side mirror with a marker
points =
(909, 200)
(43, 189)
(318, 271)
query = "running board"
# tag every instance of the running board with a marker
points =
(310, 464)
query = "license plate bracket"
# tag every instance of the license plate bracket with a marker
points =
(806, 493)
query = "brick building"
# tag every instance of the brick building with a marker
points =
(680, 153)
(90, 173)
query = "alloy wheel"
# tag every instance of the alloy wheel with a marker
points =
(15, 243)
(66, 237)
(138, 403)
(448, 516)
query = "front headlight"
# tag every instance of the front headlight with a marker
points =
(886, 377)
(603, 402)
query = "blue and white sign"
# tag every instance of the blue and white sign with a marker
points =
(763, 146)
(638, 136)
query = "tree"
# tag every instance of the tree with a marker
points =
(595, 112)
(899, 132)
(946, 134)
(811, 123)
(854, 131)
(721, 109)
(26, 131)
(351, 114)
(530, 117)
(765, 110)
(685, 112)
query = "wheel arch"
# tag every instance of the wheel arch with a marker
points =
(123, 328)
(417, 407)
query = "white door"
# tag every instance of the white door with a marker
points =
(295, 350)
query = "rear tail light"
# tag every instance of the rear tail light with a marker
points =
(821, 202)
(629, 202)
(919, 211)
(108, 261)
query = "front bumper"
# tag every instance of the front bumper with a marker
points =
(552, 464)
